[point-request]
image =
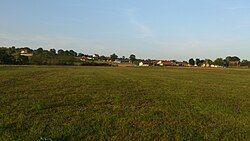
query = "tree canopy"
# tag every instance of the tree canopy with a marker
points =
(132, 57)
(113, 57)
(191, 61)
(219, 62)
(40, 56)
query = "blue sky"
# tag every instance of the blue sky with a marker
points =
(157, 29)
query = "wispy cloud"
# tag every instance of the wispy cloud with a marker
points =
(143, 31)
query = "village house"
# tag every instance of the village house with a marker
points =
(169, 63)
(205, 65)
(26, 52)
(215, 66)
(95, 56)
(85, 58)
(117, 61)
(159, 63)
(144, 64)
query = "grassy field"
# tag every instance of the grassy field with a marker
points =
(113, 103)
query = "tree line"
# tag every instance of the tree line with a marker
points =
(228, 61)
(40, 56)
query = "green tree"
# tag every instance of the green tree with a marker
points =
(191, 61)
(73, 53)
(60, 52)
(53, 51)
(38, 58)
(132, 57)
(39, 51)
(219, 62)
(245, 63)
(80, 54)
(202, 62)
(209, 61)
(113, 57)
(198, 62)
(6, 57)
(22, 60)
(234, 58)
(103, 58)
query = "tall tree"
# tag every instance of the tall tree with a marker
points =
(219, 62)
(22, 60)
(103, 58)
(198, 62)
(191, 61)
(234, 58)
(73, 53)
(60, 52)
(132, 57)
(53, 51)
(245, 63)
(232, 61)
(113, 57)
(209, 61)
(6, 57)
(39, 51)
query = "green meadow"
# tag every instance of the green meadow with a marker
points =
(123, 103)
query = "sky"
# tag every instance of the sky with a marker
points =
(155, 29)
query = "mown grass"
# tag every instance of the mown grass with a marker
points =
(98, 103)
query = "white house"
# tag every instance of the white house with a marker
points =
(117, 61)
(216, 66)
(143, 64)
(95, 55)
(26, 52)
(205, 65)
(160, 63)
